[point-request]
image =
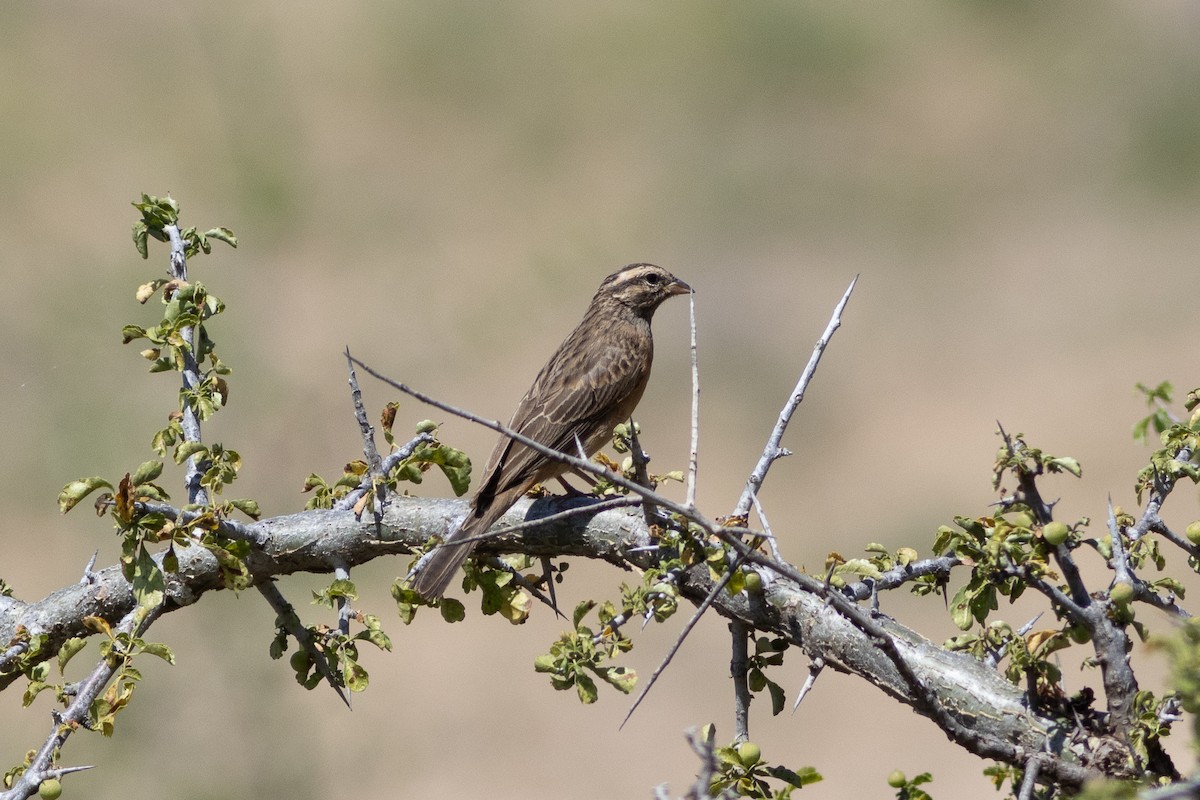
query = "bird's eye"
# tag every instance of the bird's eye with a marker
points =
(653, 278)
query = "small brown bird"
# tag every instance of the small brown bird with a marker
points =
(591, 383)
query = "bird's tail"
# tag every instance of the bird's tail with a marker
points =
(432, 577)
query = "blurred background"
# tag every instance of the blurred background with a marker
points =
(441, 187)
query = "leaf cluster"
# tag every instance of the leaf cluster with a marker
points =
(338, 649)
(580, 656)
(742, 772)
(159, 213)
(453, 463)
(118, 649)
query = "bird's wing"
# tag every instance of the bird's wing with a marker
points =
(567, 401)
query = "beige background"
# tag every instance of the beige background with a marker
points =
(441, 186)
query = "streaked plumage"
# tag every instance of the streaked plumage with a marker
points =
(591, 383)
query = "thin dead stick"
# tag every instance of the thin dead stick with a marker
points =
(693, 459)
(374, 463)
(762, 517)
(691, 623)
(773, 451)
(286, 616)
(558, 516)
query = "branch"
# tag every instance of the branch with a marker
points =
(77, 713)
(191, 376)
(963, 689)
(773, 451)
(693, 456)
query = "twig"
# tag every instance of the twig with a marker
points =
(940, 566)
(591, 508)
(773, 450)
(77, 713)
(374, 466)
(640, 473)
(1029, 782)
(190, 423)
(286, 616)
(706, 749)
(762, 517)
(718, 587)
(230, 529)
(693, 457)
(738, 667)
(351, 498)
(1120, 559)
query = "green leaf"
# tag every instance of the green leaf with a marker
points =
(960, 608)
(375, 633)
(1064, 464)
(777, 697)
(68, 650)
(148, 471)
(131, 333)
(544, 663)
(148, 582)
(354, 676)
(859, 566)
(161, 650)
(248, 507)
(187, 449)
(803, 777)
(581, 611)
(222, 234)
(515, 607)
(139, 238)
(452, 610)
(620, 678)
(585, 687)
(75, 491)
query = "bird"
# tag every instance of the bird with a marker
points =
(593, 381)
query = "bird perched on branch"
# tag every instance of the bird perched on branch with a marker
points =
(591, 383)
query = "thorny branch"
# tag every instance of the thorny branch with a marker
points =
(311, 541)
(774, 450)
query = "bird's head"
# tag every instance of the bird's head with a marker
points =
(641, 287)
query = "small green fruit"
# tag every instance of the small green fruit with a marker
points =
(299, 661)
(896, 780)
(1079, 634)
(754, 583)
(50, 789)
(426, 426)
(1121, 593)
(1055, 533)
(1022, 519)
(749, 754)
(1193, 532)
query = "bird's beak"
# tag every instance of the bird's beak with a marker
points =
(677, 286)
